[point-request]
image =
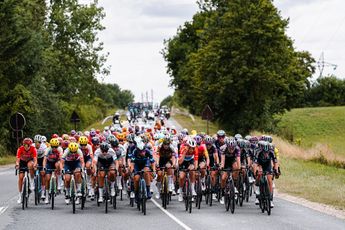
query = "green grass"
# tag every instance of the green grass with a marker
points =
(313, 181)
(98, 124)
(8, 159)
(324, 125)
(199, 125)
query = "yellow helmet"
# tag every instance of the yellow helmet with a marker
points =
(73, 147)
(193, 133)
(83, 140)
(54, 142)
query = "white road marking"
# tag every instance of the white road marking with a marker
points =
(3, 209)
(171, 215)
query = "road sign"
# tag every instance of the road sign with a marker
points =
(75, 117)
(207, 113)
(17, 121)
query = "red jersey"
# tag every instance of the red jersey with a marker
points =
(24, 155)
(188, 157)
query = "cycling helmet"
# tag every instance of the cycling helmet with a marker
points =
(140, 145)
(106, 128)
(238, 136)
(73, 132)
(221, 133)
(92, 133)
(65, 136)
(104, 147)
(193, 133)
(268, 139)
(181, 136)
(83, 140)
(198, 139)
(166, 141)
(98, 131)
(110, 137)
(230, 142)
(209, 140)
(55, 135)
(247, 137)
(265, 146)
(254, 140)
(241, 143)
(73, 147)
(114, 142)
(184, 131)
(112, 129)
(130, 137)
(43, 139)
(261, 144)
(247, 144)
(191, 143)
(38, 138)
(27, 141)
(272, 146)
(95, 141)
(54, 142)
(64, 144)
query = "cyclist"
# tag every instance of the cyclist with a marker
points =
(203, 159)
(220, 141)
(72, 161)
(88, 157)
(41, 148)
(214, 160)
(52, 162)
(166, 157)
(26, 160)
(105, 160)
(142, 159)
(230, 159)
(263, 163)
(188, 159)
(120, 157)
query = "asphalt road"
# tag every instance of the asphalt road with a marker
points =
(285, 215)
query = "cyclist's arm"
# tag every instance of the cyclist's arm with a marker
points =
(215, 156)
(18, 156)
(207, 156)
(34, 152)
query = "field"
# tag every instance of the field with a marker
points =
(302, 175)
(7, 159)
(316, 126)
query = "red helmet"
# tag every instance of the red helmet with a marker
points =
(27, 141)
(55, 135)
(98, 131)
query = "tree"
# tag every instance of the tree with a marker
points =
(244, 65)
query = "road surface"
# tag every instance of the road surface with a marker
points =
(285, 215)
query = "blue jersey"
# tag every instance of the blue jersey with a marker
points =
(138, 159)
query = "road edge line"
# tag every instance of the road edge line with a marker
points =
(174, 218)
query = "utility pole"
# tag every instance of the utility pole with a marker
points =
(321, 64)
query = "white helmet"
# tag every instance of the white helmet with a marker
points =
(106, 128)
(43, 139)
(191, 142)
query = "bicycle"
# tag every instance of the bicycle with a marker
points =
(241, 188)
(165, 194)
(229, 192)
(265, 194)
(84, 189)
(52, 188)
(25, 188)
(142, 195)
(187, 191)
(107, 198)
(210, 189)
(198, 189)
(38, 187)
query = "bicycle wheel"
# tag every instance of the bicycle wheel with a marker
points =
(52, 198)
(190, 197)
(268, 199)
(144, 205)
(73, 203)
(24, 192)
(232, 197)
(72, 188)
(240, 189)
(52, 191)
(208, 191)
(106, 193)
(143, 196)
(186, 195)
(36, 190)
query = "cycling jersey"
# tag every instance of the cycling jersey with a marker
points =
(264, 159)
(211, 152)
(120, 152)
(202, 152)
(87, 152)
(69, 156)
(41, 150)
(53, 154)
(189, 156)
(230, 157)
(165, 155)
(26, 156)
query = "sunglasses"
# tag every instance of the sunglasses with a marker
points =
(55, 147)
(26, 145)
(83, 145)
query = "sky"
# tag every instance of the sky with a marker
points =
(135, 31)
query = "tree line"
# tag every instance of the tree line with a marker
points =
(51, 61)
(236, 57)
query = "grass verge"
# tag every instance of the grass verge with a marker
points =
(198, 124)
(99, 125)
(313, 181)
(7, 159)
